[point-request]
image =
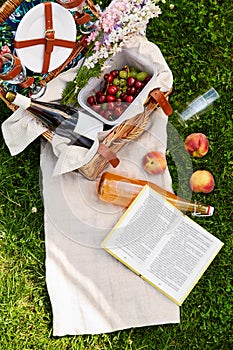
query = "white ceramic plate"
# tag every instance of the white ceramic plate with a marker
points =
(32, 26)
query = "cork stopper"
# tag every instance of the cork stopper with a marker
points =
(10, 96)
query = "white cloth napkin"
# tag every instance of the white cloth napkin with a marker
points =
(19, 130)
(90, 291)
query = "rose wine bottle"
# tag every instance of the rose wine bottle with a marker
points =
(121, 190)
(57, 118)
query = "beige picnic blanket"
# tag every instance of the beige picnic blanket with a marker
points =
(90, 291)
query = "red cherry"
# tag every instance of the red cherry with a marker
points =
(99, 93)
(138, 84)
(110, 106)
(107, 114)
(118, 111)
(129, 99)
(96, 108)
(147, 78)
(102, 112)
(131, 90)
(101, 99)
(111, 98)
(112, 89)
(108, 77)
(91, 100)
(130, 81)
(123, 95)
(124, 105)
(114, 72)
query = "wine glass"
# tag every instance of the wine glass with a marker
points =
(13, 72)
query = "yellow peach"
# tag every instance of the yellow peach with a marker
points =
(202, 181)
(154, 162)
(197, 144)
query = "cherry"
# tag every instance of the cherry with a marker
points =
(99, 93)
(96, 108)
(131, 90)
(107, 114)
(130, 81)
(110, 98)
(116, 81)
(112, 89)
(123, 74)
(122, 82)
(123, 95)
(108, 77)
(148, 78)
(118, 111)
(101, 98)
(129, 99)
(118, 94)
(102, 112)
(110, 106)
(115, 73)
(91, 100)
(138, 84)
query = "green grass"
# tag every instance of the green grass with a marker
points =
(195, 40)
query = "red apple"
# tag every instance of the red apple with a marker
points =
(202, 181)
(154, 162)
(197, 144)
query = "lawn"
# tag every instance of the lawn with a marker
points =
(195, 38)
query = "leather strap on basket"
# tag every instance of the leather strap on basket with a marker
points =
(17, 68)
(81, 18)
(108, 154)
(48, 41)
(71, 4)
(160, 98)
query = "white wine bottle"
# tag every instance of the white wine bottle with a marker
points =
(57, 118)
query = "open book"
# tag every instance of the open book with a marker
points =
(162, 245)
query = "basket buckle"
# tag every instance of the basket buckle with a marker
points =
(49, 34)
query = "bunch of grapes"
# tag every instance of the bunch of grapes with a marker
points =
(119, 89)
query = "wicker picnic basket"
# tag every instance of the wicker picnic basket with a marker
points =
(119, 135)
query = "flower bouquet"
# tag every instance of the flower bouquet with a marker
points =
(117, 25)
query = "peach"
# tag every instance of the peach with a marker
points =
(154, 162)
(196, 144)
(202, 181)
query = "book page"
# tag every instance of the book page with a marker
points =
(162, 245)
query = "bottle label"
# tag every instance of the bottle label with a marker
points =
(22, 101)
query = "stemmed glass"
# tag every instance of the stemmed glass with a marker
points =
(13, 72)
